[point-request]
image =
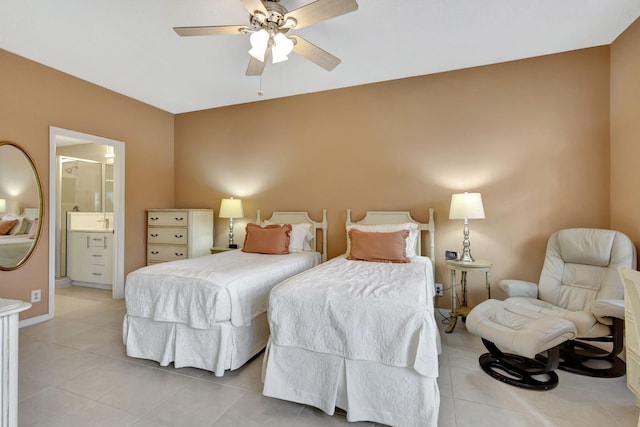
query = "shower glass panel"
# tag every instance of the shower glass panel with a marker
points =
(81, 190)
(81, 186)
(108, 188)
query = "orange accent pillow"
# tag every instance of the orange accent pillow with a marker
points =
(380, 247)
(271, 239)
(6, 225)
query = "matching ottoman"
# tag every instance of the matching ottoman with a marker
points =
(525, 335)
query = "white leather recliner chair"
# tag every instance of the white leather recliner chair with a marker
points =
(579, 298)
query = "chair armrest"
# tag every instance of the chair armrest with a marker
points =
(519, 288)
(604, 308)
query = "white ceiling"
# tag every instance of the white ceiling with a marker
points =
(129, 46)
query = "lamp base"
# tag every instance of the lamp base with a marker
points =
(466, 257)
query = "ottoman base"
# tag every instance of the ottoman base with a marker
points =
(532, 343)
(520, 371)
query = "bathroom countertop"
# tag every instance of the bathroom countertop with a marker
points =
(93, 230)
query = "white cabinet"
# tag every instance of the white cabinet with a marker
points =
(90, 257)
(9, 309)
(174, 234)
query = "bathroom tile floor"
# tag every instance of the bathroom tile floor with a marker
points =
(74, 372)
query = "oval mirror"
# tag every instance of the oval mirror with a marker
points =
(20, 206)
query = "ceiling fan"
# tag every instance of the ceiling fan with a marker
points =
(269, 23)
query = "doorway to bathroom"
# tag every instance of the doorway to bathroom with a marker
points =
(86, 212)
(86, 192)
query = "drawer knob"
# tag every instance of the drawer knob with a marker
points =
(155, 252)
(154, 234)
(179, 219)
(178, 236)
(179, 254)
(154, 218)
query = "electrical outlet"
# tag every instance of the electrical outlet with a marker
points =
(35, 295)
(439, 289)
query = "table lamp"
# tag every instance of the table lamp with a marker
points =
(466, 206)
(231, 208)
(3, 205)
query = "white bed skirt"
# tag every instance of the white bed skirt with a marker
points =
(223, 347)
(366, 390)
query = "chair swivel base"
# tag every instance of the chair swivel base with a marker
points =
(520, 371)
(575, 354)
(579, 357)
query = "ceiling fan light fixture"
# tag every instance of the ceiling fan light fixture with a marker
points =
(259, 43)
(289, 23)
(282, 47)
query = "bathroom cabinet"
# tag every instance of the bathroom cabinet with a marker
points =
(174, 234)
(90, 258)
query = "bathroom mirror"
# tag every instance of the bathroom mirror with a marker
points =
(21, 206)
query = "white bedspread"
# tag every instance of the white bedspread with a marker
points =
(232, 285)
(367, 311)
(13, 249)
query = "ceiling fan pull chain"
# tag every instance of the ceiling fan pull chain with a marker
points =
(260, 92)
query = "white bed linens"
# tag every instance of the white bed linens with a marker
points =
(199, 292)
(14, 248)
(366, 311)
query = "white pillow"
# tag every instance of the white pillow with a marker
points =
(299, 237)
(412, 240)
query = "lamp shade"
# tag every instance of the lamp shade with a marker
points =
(231, 208)
(259, 42)
(281, 48)
(3, 205)
(466, 206)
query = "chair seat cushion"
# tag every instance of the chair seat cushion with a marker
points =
(518, 329)
(587, 325)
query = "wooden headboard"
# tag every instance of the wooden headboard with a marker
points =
(302, 218)
(31, 213)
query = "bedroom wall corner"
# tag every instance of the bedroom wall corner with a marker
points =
(36, 97)
(625, 132)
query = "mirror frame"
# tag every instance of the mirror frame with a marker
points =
(41, 207)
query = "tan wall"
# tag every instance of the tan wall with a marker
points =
(625, 132)
(532, 136)
(35, 97)
(17, 181)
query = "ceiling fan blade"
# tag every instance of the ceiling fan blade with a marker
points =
(255, 67)
(321, 10)
(210, 31)
(314, 54)
(253, 5)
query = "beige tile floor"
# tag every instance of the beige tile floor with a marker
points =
(74, 372)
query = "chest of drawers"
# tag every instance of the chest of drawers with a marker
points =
(174, 234)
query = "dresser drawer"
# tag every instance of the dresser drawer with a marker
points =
(173, 218)
(165, 253)
(98, 257)
(176, 236)
(98, 274)
(95, 240)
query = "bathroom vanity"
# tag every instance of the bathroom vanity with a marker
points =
(90, 249)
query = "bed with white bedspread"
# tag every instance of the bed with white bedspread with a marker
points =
(16, 244)
(210, 312)
(358, 335)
